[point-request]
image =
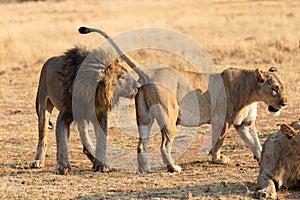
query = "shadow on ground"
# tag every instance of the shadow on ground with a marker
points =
(213, 190)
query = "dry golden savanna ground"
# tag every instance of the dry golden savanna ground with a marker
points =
(245, 34)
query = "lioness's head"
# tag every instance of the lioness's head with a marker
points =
(271, 89)
(126, 86)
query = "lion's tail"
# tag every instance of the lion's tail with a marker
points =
(37, 108)
(130, 61)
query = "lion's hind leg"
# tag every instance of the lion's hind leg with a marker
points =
(166, 119)
(62, 137)
(144, 132)
(144, 121)
(44, 114)
(218, 141)
(168, 134)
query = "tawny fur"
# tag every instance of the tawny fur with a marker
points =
(166, 97)
(280, 164)
(243, 89)
(55, 89)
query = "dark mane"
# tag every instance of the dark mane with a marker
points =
(101, 66)
(72, 60)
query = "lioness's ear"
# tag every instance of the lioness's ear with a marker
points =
(260, 78)
(273, 69)
(288, 131)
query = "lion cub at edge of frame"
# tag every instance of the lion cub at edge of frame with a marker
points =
(280, 162)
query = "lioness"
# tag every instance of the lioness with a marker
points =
(166, 97)
(55, 90)
(280, 161)
(244, 89)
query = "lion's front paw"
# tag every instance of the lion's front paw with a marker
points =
(264, 194)
(223, 160)
(144, 169)
(99, 166)
(174, 168)
(142, 163)
(63, 170)
(36, 164)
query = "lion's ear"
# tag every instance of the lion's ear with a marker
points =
(260, 78)
(273, 69)
(288, 131)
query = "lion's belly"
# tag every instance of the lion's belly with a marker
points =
(194, 110)
(55, 90)
(188, 119)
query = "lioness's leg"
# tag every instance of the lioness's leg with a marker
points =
(167, 124)
(144, 121)
(216, 150)
(62, 137)
(43, 120)
(100, 162)
(267, 187)
(168, 134)
(247, 131)
(144, 132)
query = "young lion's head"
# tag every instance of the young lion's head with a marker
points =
(272, 89)
(291, 131)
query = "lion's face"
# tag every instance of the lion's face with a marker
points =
(272, 89)
(291, 131)
(126, 86)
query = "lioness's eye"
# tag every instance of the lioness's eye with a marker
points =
(274, 91)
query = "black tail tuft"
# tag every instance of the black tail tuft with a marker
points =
(83, 30)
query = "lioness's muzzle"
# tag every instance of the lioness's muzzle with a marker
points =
(272, 109)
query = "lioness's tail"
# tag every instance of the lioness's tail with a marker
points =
(126, 58)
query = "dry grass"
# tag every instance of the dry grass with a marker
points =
(236, 33)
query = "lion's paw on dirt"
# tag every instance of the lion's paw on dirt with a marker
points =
(174, 168)
(36, 164)
(223, 160)
(144, 169)
(98, 166)
(263, 194)
(63, 171)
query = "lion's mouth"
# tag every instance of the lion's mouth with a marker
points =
(272, 109)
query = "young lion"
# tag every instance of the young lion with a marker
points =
(55, 90)
(280, 161)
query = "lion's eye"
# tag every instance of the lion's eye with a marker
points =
(274, 92)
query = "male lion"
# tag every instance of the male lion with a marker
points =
(280, 161)
(173, 97)
(55, 90)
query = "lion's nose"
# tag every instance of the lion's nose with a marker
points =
(283, 104)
